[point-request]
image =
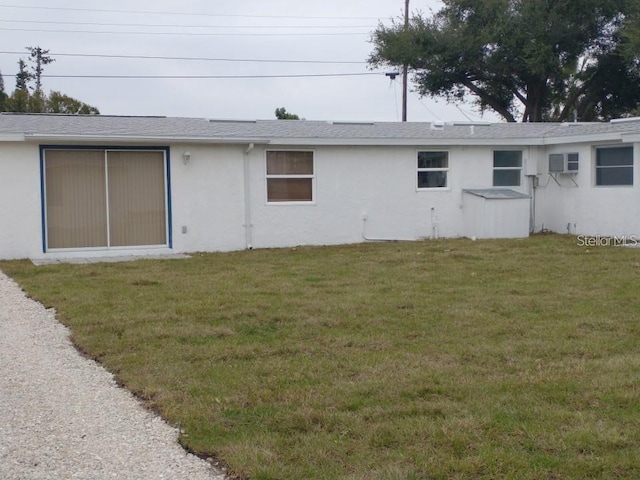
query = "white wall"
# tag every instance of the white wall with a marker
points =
(208, 198)
(379, 183)
(20, 219)
(376, 182)
(584, 208)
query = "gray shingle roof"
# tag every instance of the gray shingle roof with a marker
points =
(134, 128)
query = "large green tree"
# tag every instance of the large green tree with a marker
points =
(282, 114)
(29, 96)
(3, 95)
(39, 58)
(58, 102)
(534, 60)
(19, 101)
(631, 33)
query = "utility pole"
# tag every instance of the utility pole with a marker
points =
(405, 73)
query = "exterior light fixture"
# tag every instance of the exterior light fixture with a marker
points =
(186, 156)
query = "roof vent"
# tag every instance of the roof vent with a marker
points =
(229, 120)
(470, 124)
(625, 120)
(437, 125)
(570, 124)
(352, 123)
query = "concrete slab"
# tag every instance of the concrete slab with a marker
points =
(86, 260)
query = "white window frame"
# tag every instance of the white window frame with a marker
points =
(519, 169)
(445, 170)
(596, 167)
(290, 176)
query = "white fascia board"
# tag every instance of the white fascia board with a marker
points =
(15, 137)
(310, 141)
(129, 139)
(400, 142)
(280, 141)
(600, 137)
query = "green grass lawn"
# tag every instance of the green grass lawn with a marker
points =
(449, 359)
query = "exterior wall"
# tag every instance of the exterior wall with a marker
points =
(369, 193)
(582, 208)
(20, 219)
(207, 197)
(360, 193)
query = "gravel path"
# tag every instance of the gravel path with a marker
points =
(63, 417)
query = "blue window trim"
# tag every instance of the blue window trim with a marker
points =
(167, 156)
(42, 202)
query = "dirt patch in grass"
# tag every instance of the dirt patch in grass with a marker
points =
(437, 359)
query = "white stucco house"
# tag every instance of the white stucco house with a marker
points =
(107, 185)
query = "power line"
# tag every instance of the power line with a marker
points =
(183, 13)
(425, 106)
(187, 34)
(174, 25)
(221, 77)
(395, 96)
(203, 59)
(462, 112)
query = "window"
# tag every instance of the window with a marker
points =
(289, 176)
(507, 168)
(432, 169)
(614, 166)
(104, 198)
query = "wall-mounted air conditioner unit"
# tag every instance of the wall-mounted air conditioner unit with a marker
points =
(564, 163)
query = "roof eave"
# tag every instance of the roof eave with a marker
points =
(43, 137)
(616, 137)
(408, 142)
(12, 137)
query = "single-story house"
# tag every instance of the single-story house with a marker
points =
(114, 185)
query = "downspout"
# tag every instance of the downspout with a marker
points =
(247, 199)
(532, 189)
(532, 215)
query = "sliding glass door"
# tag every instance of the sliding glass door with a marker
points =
(105, 198)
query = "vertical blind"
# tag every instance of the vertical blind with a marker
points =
(97, 198)
(136, 198)
(75, 198)
(289, 176)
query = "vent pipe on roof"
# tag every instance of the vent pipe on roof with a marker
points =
(437, 125)
(625, 120)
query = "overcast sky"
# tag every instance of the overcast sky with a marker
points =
(89, 37)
